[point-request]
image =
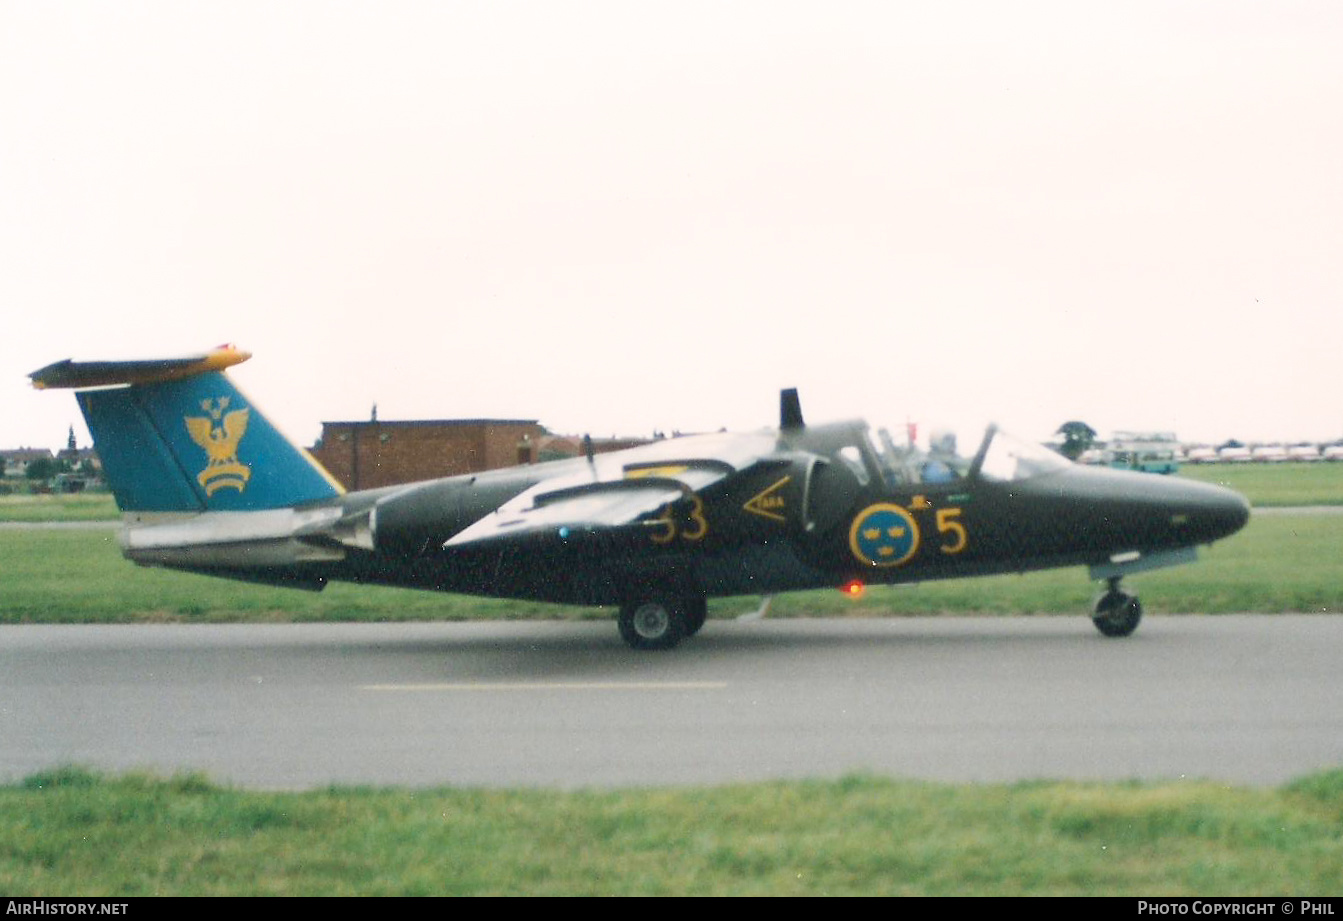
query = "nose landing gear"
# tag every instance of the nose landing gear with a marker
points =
(1116, 613)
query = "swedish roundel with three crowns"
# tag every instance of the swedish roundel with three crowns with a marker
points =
(884, 535)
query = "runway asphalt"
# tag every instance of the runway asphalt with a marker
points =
(1244, 699)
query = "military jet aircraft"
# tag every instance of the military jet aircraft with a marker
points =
(206, 484)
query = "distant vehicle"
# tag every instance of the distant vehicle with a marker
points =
(1148, 452)
(1236, 454)
(1333, 453)
(1269, 454)
(1202, 456)
(66, 483)
(1306, 453)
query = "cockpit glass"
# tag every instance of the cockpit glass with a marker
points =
(853, 459)
(1010, 458)
(907, 458)
(945, 455)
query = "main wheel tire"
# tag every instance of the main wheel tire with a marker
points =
(652, 624)
(696, 612)
(1117, 614)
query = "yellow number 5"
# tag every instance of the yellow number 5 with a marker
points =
(947, 524)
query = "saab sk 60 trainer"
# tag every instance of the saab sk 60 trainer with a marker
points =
(206, 484)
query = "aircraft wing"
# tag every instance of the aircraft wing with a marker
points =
(574, 511)
(604, 499)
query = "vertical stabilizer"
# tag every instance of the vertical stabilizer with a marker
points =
(188, 443)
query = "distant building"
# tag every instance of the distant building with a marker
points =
(16, 460)
(366, 455)
(84, 460)
(559, 447)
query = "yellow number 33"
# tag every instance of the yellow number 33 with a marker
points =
(692, 527)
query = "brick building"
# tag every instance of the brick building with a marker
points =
(365, 455)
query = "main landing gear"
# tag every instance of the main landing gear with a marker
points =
(1116, 613)
(661, 623)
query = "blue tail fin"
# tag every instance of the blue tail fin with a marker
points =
(193, 442)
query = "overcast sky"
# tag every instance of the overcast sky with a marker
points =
(627, 216)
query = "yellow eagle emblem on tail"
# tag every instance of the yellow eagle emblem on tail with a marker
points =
(218, 434)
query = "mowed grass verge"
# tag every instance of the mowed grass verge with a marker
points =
(1270, 485)
(1279, 563)
(69, 832)
(84, 506)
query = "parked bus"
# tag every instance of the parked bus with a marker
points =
(1150, 452)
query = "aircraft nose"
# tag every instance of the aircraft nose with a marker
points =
(1210, 512)
(1150, 510)
(1233, 511)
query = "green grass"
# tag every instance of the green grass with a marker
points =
(1286, 484)
(1279, 563)
(84, 506)
(80, 576)
(73, 833)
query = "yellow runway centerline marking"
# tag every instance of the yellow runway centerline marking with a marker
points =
(554, 686)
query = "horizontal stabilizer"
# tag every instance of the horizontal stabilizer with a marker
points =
(237, 540)
(81, 374)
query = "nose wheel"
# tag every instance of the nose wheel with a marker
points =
(1116, 613)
